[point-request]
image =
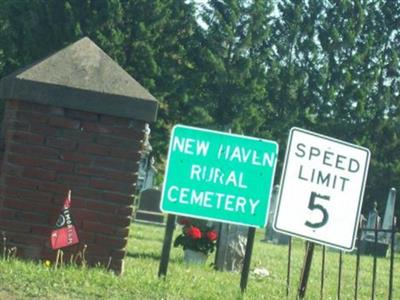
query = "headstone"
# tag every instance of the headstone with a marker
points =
(147, 171)
(397, 243)
(387, 223)
(149, 207)
(270, 234)
(372, 219)
(384, 238)
(232, 247)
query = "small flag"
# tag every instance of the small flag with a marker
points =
(64, 234)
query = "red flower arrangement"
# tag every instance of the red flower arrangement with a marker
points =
(196, 237)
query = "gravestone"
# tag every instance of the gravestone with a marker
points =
(270, 234)
(387, 223)
(373, 221)
(367, 243)
(147, 170)
(231, 247)
(149, 207)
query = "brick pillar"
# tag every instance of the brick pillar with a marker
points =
(54, 143)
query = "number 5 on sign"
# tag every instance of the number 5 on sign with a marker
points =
(313, 206)
(322, 188)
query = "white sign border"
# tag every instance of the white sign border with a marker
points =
(227, 134)
(360, 201)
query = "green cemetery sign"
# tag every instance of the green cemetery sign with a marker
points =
(219, 176)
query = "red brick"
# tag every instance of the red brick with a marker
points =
(7, 213)
(122, 232)
(11, 169)
(124, 199)
(125, 210)
(128, 153)
(101, 206)
(40, 207)
(113, 242)
(86, 238)
(61, 143)
(130, 133)
(43, 129)
(59, 188)
(11, 225)
(88, 193)
(114, 164)
(26, 239)
(81, 115)
(16, 204)
(76, 157)
(39, 173)
(123, 221)
(64, 122)
(98, 172)
(21, 183)
(32, 117)
(41, 163)
(93, 148)
(111, 185)
(78, 202)
(32, 197)
(21, 126)
(114, 121)
(98, 228)
(25, 105)
(35, 151)
(95, 250)
(41, 229)
(30, 217)
(95, 127)
(47, 109)
(25, 137)
(109, 140)
(77, 135)
(73, 180)
(12, 104)
(118, 254)
(81, 215)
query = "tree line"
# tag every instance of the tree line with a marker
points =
(256, 67)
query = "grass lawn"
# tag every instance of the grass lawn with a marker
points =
(26, 280)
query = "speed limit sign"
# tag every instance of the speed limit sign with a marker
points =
(322, 189)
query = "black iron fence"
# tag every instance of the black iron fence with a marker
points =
(372, 247)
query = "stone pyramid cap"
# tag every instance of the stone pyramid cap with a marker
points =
(81, 76)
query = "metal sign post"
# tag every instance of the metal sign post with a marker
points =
(218, 176)
(322, 188)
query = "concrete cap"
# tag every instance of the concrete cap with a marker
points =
(81, 76)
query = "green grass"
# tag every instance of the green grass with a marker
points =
(26, 280)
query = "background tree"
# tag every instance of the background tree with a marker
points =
(258, 67)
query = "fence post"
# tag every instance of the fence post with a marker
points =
(166, 249)
(306, 270)
(288, 267)
(340, 274)
(375, 258)
(321, 293)
(247, 259)
(392, 257)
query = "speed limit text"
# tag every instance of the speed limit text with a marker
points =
(338, 165)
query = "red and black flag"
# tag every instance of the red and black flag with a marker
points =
(64, 234)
